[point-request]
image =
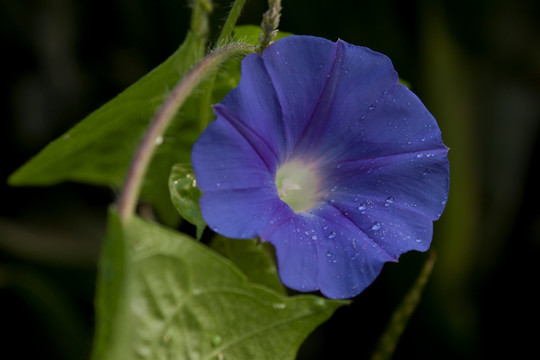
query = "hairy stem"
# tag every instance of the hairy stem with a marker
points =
(153, 136)
(224, 37)
(230, 23)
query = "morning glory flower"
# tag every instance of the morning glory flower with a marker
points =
(321, 152)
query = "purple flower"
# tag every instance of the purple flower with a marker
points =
(320, 151)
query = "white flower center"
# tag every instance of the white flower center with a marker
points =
(298, 185)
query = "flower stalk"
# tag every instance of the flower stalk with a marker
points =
(154, 135)
(270, 24)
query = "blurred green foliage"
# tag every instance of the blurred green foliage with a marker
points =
(476, 66)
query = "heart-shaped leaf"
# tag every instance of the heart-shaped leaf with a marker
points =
(163, 295)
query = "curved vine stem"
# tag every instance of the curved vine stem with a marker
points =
(132, 186)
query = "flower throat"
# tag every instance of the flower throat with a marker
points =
(298, 185)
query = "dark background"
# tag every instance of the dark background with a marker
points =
(476, 65)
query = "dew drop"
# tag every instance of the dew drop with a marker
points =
(389, 201)
(216, 340)
(418, 240)
(159, 140)
(314, 237)
(218, 184)
(419, 155)
(362, 207)
(376, 225)
(332, 235)
(362, 117)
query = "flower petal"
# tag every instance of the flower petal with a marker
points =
(357, 80)
(297, 66)
(253, 108)
(398, 123)
(223, 159)
(243, 213)
(418, 180)
(326, 252)
(297, 255)
(352, 260)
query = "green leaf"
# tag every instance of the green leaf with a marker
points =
(185, 195)
(176, 298)
(110, 290)
(98, 150)
(253, 258)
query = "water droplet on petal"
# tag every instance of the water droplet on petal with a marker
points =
(376, 225)
(332, 235)
(314, 237)
(418, 240)
(362, 207)
(389, 201)
(419, 155)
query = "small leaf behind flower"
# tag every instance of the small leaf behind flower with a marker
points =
(250, 34)
(163, 295)
(185, 196)
(253, 258)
